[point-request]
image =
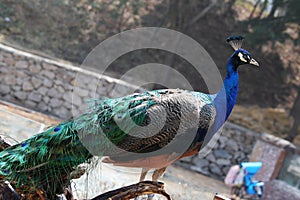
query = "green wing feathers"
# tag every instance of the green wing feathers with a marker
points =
(110, 120)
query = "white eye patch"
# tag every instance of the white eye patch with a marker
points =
(240, 55)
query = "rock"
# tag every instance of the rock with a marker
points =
(46, 99)
(76, 100)
(81, 92)
(62, 113)
(36, 82)
(232, 145)
(21, 75)
(93, 84)
(68, 97)
(213, 168)
(27, 86)
(250, 135)
(220, 153)
(72, 98)
(102, 91)
(222, 161)
(54, 103)
(7, 97)
(200, 162)
(4, 69)
(106, 89)
(67, 105)
(48, 74)
(83, 79)
(47, 82)
(222, 140)
(9, 61)
(53, 92)
(120, 90)
(75, 111)
(35, 68)
(4, 89)
(239, 156)
(210, 157)
(68, 77)
(42, 90)
(21, 64)
(20, 81)
(59, 82)
(30, 104)
(225, 169)
(34, 96)
(10, 80)
(16, 88)
(20, 95)
(60, 89)
(42, 106)
(6, 54)
(48, 66)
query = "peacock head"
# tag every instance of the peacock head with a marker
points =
(240, 56)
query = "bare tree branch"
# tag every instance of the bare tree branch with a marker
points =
(254, 8)
(202, 14)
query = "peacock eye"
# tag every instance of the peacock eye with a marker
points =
(246, 57)
(243, 57)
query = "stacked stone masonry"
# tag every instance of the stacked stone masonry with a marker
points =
(233, 146)
(63, 90)
(52, 87)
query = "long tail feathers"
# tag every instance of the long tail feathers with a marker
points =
(44, 159)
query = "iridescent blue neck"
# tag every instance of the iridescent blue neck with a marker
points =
(226, 97)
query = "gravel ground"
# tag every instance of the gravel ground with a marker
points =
(179, 183)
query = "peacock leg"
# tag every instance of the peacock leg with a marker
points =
(142, 178)
(158, 173)
(143, 174)
(155, 176)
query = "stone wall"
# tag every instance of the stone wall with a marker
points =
(234, 145)
(61, 90)
(50, 86)
(279, 190)
(280, 170)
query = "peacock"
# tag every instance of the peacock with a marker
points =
(149, 130)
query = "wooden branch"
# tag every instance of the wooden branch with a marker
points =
(220, 197)
(135, 190)
(8, 192)
(3, 144)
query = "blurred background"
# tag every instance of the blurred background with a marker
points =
(69, 30)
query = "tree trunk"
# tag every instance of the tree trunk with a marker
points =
(274, 8)
(254, 8)
(262, 9)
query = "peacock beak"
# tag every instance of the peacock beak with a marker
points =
(253, 62)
